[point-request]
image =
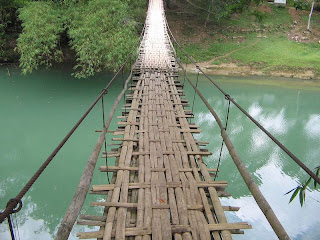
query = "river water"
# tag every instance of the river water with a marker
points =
(37, 111)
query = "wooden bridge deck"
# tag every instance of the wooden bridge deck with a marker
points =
(161, 188)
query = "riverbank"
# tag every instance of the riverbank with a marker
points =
(264, 40)
(232, 69)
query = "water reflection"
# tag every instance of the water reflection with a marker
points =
(275, 122)
(312, 127)
(276, 109)
(300, 223)
(292, 114)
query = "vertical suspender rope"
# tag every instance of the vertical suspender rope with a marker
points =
(194, 96)
(11, 227)
(222, 143)
(124, 95)
(105, 139)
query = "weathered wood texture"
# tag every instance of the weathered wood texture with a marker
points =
(161, 187)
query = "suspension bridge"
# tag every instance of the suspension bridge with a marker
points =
(161, 187)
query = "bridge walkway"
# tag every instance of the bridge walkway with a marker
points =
(161, 188)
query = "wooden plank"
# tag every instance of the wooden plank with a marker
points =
(115, 204)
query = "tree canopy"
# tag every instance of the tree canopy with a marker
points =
(100, 32)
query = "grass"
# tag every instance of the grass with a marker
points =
(279, 51)
(279, 18)
(274, 51)
(203, 53)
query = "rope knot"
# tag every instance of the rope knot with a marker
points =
(227, 97)
(16, 204)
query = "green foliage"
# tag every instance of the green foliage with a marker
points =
(101, 32)
(2, 36)
(239, 5)
(102, 35)
(260, 16)
(38, 44)
(301, 189)
(137, 11)
(301, 4)
(226, 8)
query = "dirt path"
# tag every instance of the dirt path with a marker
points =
(209, 63)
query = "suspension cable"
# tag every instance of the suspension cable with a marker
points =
(276, 141)
(194, 96)
(105, 139)
(222, 142)
(15, 204)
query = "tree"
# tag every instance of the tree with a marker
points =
(101, 32)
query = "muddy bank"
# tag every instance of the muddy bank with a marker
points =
(232, 69)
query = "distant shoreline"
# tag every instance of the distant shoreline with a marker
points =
(232, 69)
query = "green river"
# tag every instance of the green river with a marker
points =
(37, 111)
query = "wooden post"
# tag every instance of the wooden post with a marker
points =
(79, 197)
(311, 11)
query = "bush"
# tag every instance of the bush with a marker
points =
(260, 16)
(302, 5)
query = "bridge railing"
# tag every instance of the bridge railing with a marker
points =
(228, 97)
(252, 186)
(14, 205)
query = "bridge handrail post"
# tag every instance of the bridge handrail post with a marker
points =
(76, 204)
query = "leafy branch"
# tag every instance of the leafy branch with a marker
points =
(301, 189)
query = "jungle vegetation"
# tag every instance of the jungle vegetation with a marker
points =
(98, 34)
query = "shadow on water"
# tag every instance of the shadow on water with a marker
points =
(37, 111)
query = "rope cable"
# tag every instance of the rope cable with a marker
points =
(124, 95)
(222, 142)
(194, 95)
(105, 138)
(276, 141)
(15, 204)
